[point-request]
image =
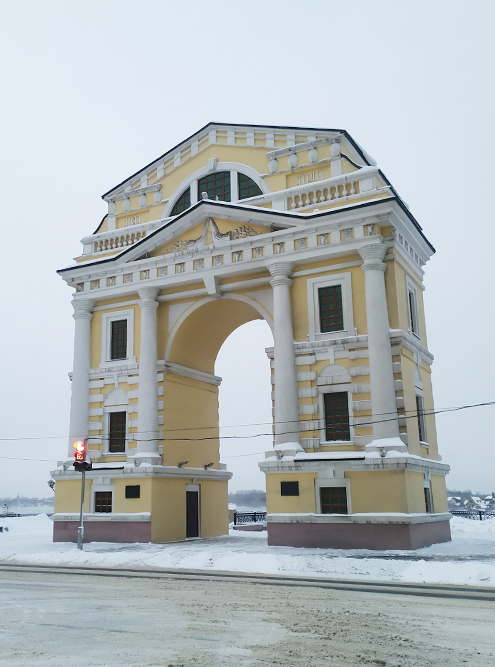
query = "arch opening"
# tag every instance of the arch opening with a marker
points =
(241, 327)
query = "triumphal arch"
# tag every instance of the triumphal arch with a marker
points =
(296, 226)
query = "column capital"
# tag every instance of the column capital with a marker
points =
(83, 308)
(281, 272)
(148, 296)
(373, 255)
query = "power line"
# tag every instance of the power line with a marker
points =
(198, 428)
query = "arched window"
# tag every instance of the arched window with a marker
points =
(216, 185)
(182, 203)
(247, 187)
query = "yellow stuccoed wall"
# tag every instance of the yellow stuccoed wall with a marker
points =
(68, 495)
(304, 502)
(214, 503)
(191, 405)
(368, 491)
(439, 493)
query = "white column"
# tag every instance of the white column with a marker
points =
(286, 410)
(383, 401)
(147, 444)
(79, 405)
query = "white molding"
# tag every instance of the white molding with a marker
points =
(334, 389)
(94, 488)
(361, 517)
(232, 167)
(187, 372)
(323, 482)
(106, 338)
(313, 285)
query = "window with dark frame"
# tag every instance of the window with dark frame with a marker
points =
(337, 416)
(420, 412)
(333, 500)
(413, 312)
(117, 432)
(289, 488)
(216, 185)
(247, 187)
(331, 310)
(118, 340)
(183, 203)
(428, 500)
(103, 501)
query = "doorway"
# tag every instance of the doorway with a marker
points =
(192, 511)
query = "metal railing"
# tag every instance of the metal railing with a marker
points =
(243, 518)
(474, 514)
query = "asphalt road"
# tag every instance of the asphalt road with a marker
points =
(104, 618)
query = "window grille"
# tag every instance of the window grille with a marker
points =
(183, 203)
(247, 187)
(117, 432)
(337, 416)
(331, 310)
(119, 340)
(216, 185)
(103, 501)
(333, 500)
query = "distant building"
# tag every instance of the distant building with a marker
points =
(296, 226)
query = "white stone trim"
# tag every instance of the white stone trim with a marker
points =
(313, 285)
(323, 482)
(114, 516)
(93, 490)
(192, 180)
(333, 389)
(106, 338)
(361, 517)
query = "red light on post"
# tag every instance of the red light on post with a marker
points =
(80, 453)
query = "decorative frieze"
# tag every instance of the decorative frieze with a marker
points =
(127, 277)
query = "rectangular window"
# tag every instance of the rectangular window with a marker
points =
(289, 488)
(420, 411)
(133, 491)
(117, 432)
(118, 346)
(331, 311)
(413, 312)
(103, 501)
(428, 500)
(333, 500)
(337, 416)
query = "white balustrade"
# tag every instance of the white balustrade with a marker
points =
(118, 239)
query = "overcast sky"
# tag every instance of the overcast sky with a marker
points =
(92, 91)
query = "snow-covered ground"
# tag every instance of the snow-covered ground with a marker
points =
(468, 560)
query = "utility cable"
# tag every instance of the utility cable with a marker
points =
(425, 413)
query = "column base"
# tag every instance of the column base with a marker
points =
(286, 449)
(151, 458)
(384, 446)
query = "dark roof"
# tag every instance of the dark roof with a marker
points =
(271, 127)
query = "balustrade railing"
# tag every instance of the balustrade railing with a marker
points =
(121, 240)
(118, 239)
(474, 514)
(364, 181)
(243, 518)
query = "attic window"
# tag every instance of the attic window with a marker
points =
(182, 203)
(216, 185)
(247, 187)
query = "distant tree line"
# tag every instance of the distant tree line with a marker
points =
(21, 501)
(249, 498)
